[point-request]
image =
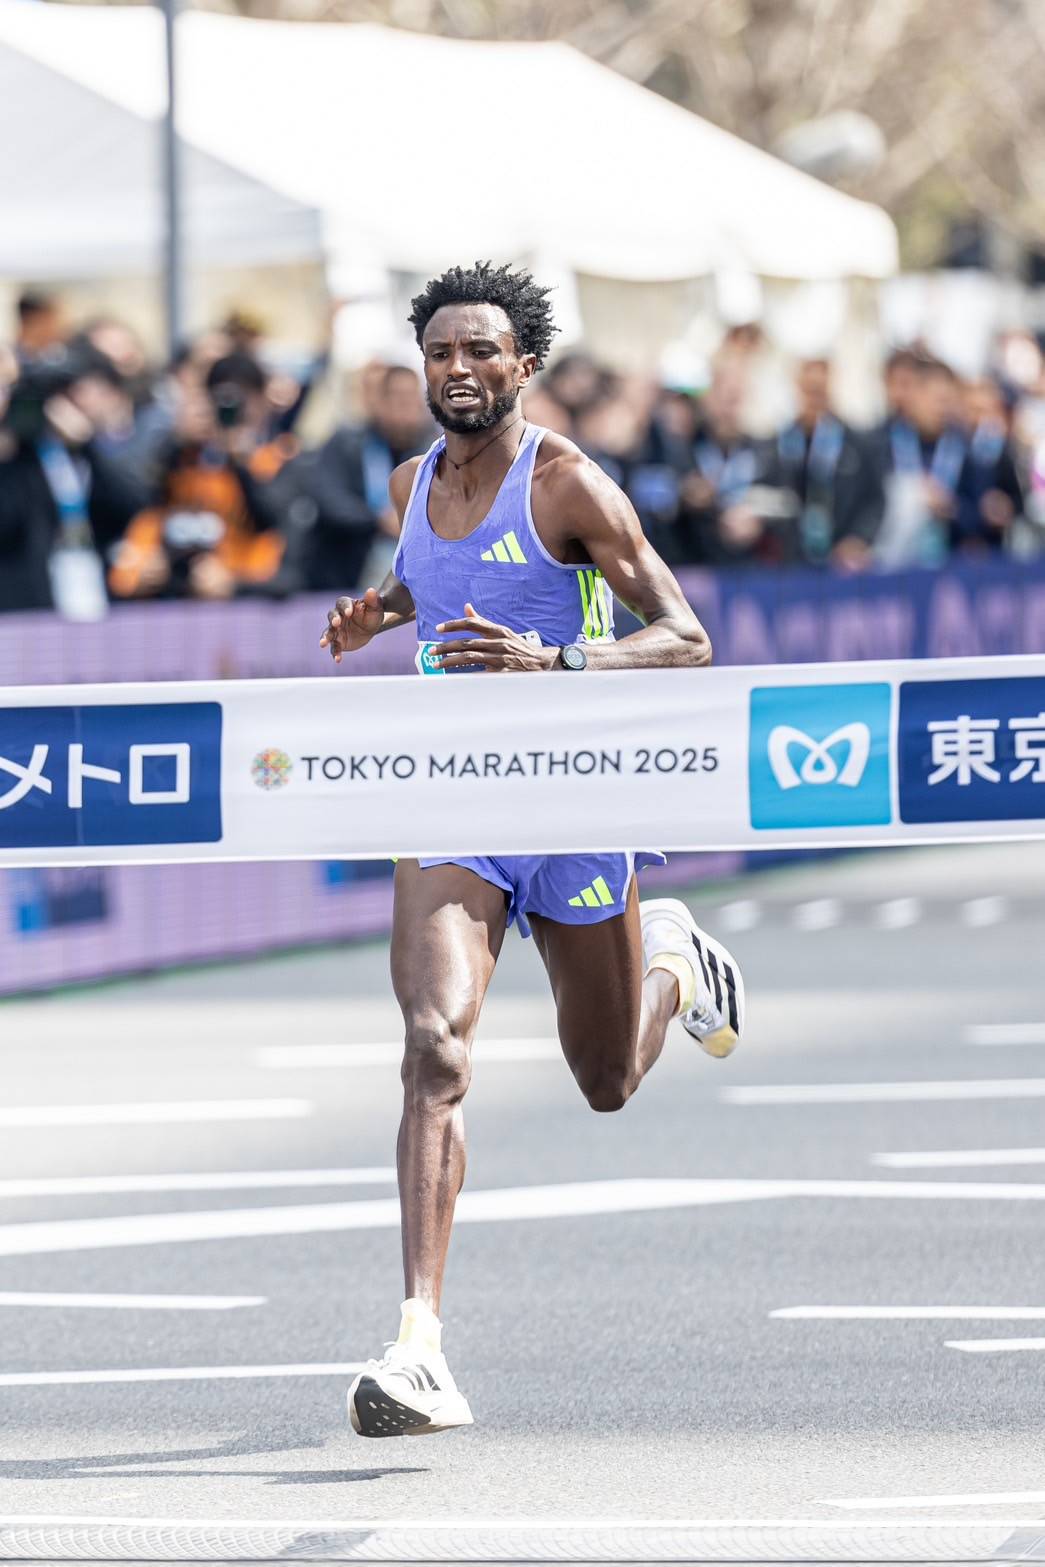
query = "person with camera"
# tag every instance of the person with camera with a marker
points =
(216, 529)
(64, 501)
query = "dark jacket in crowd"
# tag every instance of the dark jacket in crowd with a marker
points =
(990, 464)
(725, 470)
(345, 488)
(29, 520)
(969, 466)
(834, 484)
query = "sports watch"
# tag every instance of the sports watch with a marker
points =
(573, 657)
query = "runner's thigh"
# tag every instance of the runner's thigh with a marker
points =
(447, 929)
(596, 979)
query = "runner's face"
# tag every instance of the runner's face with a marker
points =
(472, 369)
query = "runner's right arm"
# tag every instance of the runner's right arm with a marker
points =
(353, 622)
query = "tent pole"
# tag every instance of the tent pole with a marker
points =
(173, 273)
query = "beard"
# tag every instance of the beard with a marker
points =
(483, 419)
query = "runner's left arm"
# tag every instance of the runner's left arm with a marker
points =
(599, 517)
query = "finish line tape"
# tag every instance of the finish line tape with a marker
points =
(806, 756)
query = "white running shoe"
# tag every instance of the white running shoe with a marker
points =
(409, 1392)
(713, 1010)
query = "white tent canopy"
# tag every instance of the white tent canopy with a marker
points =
(82, 195)
(422, 151)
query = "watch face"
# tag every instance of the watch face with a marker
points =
(574, 658)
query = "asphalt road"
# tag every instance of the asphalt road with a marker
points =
(613, 1292)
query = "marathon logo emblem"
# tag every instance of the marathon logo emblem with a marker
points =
(107, 775)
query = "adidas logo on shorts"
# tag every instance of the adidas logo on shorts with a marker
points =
(598, 894)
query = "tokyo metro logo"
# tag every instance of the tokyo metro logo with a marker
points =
(819, 756)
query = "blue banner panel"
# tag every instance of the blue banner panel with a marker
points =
(799, 615)
(819, 756)
(972, 750)
(110, 774)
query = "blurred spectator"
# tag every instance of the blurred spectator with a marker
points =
(990, 495)
(287, 394)
(201, 460)
(900, 383)
(719, 525)
(63, 501)
(41, 326)
(122, 347)
(821, 470)
(126, 434)
(920, 457)
(541, 408)
(344, 485)
(218, 527)
(644, 441)
(577, 384)
(8, 376)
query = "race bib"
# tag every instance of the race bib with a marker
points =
(423, 657)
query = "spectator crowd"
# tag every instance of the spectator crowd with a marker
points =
(123, 481)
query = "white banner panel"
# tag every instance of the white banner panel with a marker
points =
(809, 755)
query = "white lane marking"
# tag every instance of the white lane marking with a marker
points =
(1005, 1034)
(978, 913)
(976, 1191)
(744, 914)
(995, 1346)
(131, 1302)
(172, 1113)
(884, 1093)
(910, 1313)
(500, 1204)
(289, 1058)
(957, 1158)
(969, 1499)
(499, 1525)
(898, 913)
(177, 1374)
(232, 1181)
(819, 914)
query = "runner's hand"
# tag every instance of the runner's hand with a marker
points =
(493, 648)
(352, 623)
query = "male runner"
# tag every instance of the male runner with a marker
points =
(511, 539)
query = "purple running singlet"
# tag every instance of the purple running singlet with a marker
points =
(504, 570)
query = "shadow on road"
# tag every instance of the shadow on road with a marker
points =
(132, 1466)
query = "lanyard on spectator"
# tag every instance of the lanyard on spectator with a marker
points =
(729, 472)
(377, 470)
(653, 489)
(67, 481)
(825, 448)
(946, 463)
(77, 579)
(987, 443)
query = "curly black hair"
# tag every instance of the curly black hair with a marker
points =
(523, 301)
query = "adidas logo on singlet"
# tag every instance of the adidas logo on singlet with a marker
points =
(507, 550)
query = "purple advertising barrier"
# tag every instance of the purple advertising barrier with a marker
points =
(60, 926)
(808, 617)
